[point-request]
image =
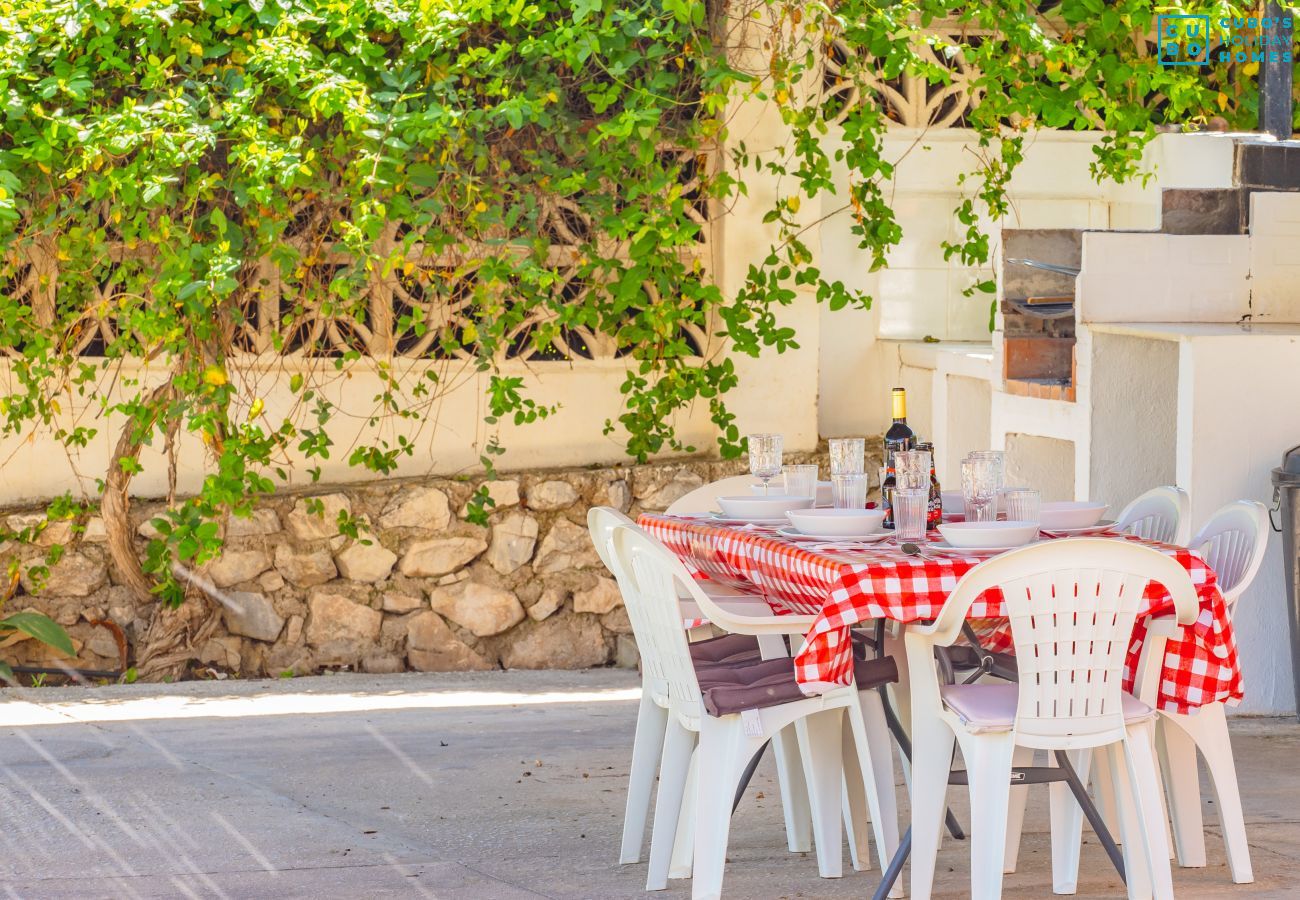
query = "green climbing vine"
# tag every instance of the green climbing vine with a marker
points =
(175, 176)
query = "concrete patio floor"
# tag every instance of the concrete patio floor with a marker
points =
(497, 786)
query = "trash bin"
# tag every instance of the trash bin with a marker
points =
(1286, 501)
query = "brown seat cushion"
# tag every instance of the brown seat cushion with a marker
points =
(735, 686)
(720, 648)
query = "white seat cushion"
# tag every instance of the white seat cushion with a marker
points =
(992, 707)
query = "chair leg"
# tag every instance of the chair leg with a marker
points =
(1103, 791)
(684, 841)
(856, 817)
(820, 743)
(794, 791)
(1144, 779)
(673, 773)
(1023, 756)
(988, 762)
(1137, 868)
(647, 745)
(724, 750)
(1178, 766)
(932, 743)
(873, 757)
(1067, 823)
(1208, 727)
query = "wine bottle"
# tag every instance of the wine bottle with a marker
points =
(898, 437)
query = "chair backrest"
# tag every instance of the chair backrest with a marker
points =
(601, 522)
(704, 499)
(1161, 514)
(652, 574)
(1072, 605)
(1233, 542)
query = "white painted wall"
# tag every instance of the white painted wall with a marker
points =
(36, 467)
(1237, 414)
(1133, 394)
(1040, 462)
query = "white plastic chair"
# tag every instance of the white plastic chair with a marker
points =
(1072, 605)
(704, 499)
(1233, 543)
(652, 714)
(727, 743)
(1161, 514)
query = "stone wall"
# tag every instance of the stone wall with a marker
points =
(431, 592)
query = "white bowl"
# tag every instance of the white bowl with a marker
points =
(954, 504)
(1070, 514)
(838, 522)
(773, 506)
(989, 535)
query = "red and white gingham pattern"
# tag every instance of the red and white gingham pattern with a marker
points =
(846, 588)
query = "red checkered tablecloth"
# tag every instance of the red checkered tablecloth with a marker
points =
(847, 587)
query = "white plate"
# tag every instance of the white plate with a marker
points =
(1106, 526)
(794, 534)
(723, 519)
(943, 548)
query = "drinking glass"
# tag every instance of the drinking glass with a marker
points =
(1020, 504)
(979, 488)
(999, 460)
(912, 468)
(910, 508)
(849, 490)
(848, 455)
(765, 457)
(800, 481)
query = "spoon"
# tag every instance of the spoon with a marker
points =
(910, 549)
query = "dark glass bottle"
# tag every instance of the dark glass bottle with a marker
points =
(899, 437)
(934, 506)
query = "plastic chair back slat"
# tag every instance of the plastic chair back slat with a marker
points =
(1233, 543)
(1161, 514)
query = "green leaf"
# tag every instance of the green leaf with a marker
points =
(584, 8)
(43, 628)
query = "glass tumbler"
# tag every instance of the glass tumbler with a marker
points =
(800, 481)
(912, 468)
(910, 508)
(849, 490)
(979, 488)
(1020, 504)
(848, 455)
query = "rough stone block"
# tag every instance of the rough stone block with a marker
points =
(440, 556)
(482, 609)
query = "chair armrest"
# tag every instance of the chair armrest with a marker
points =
(1146, 680)
(1165, 627)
